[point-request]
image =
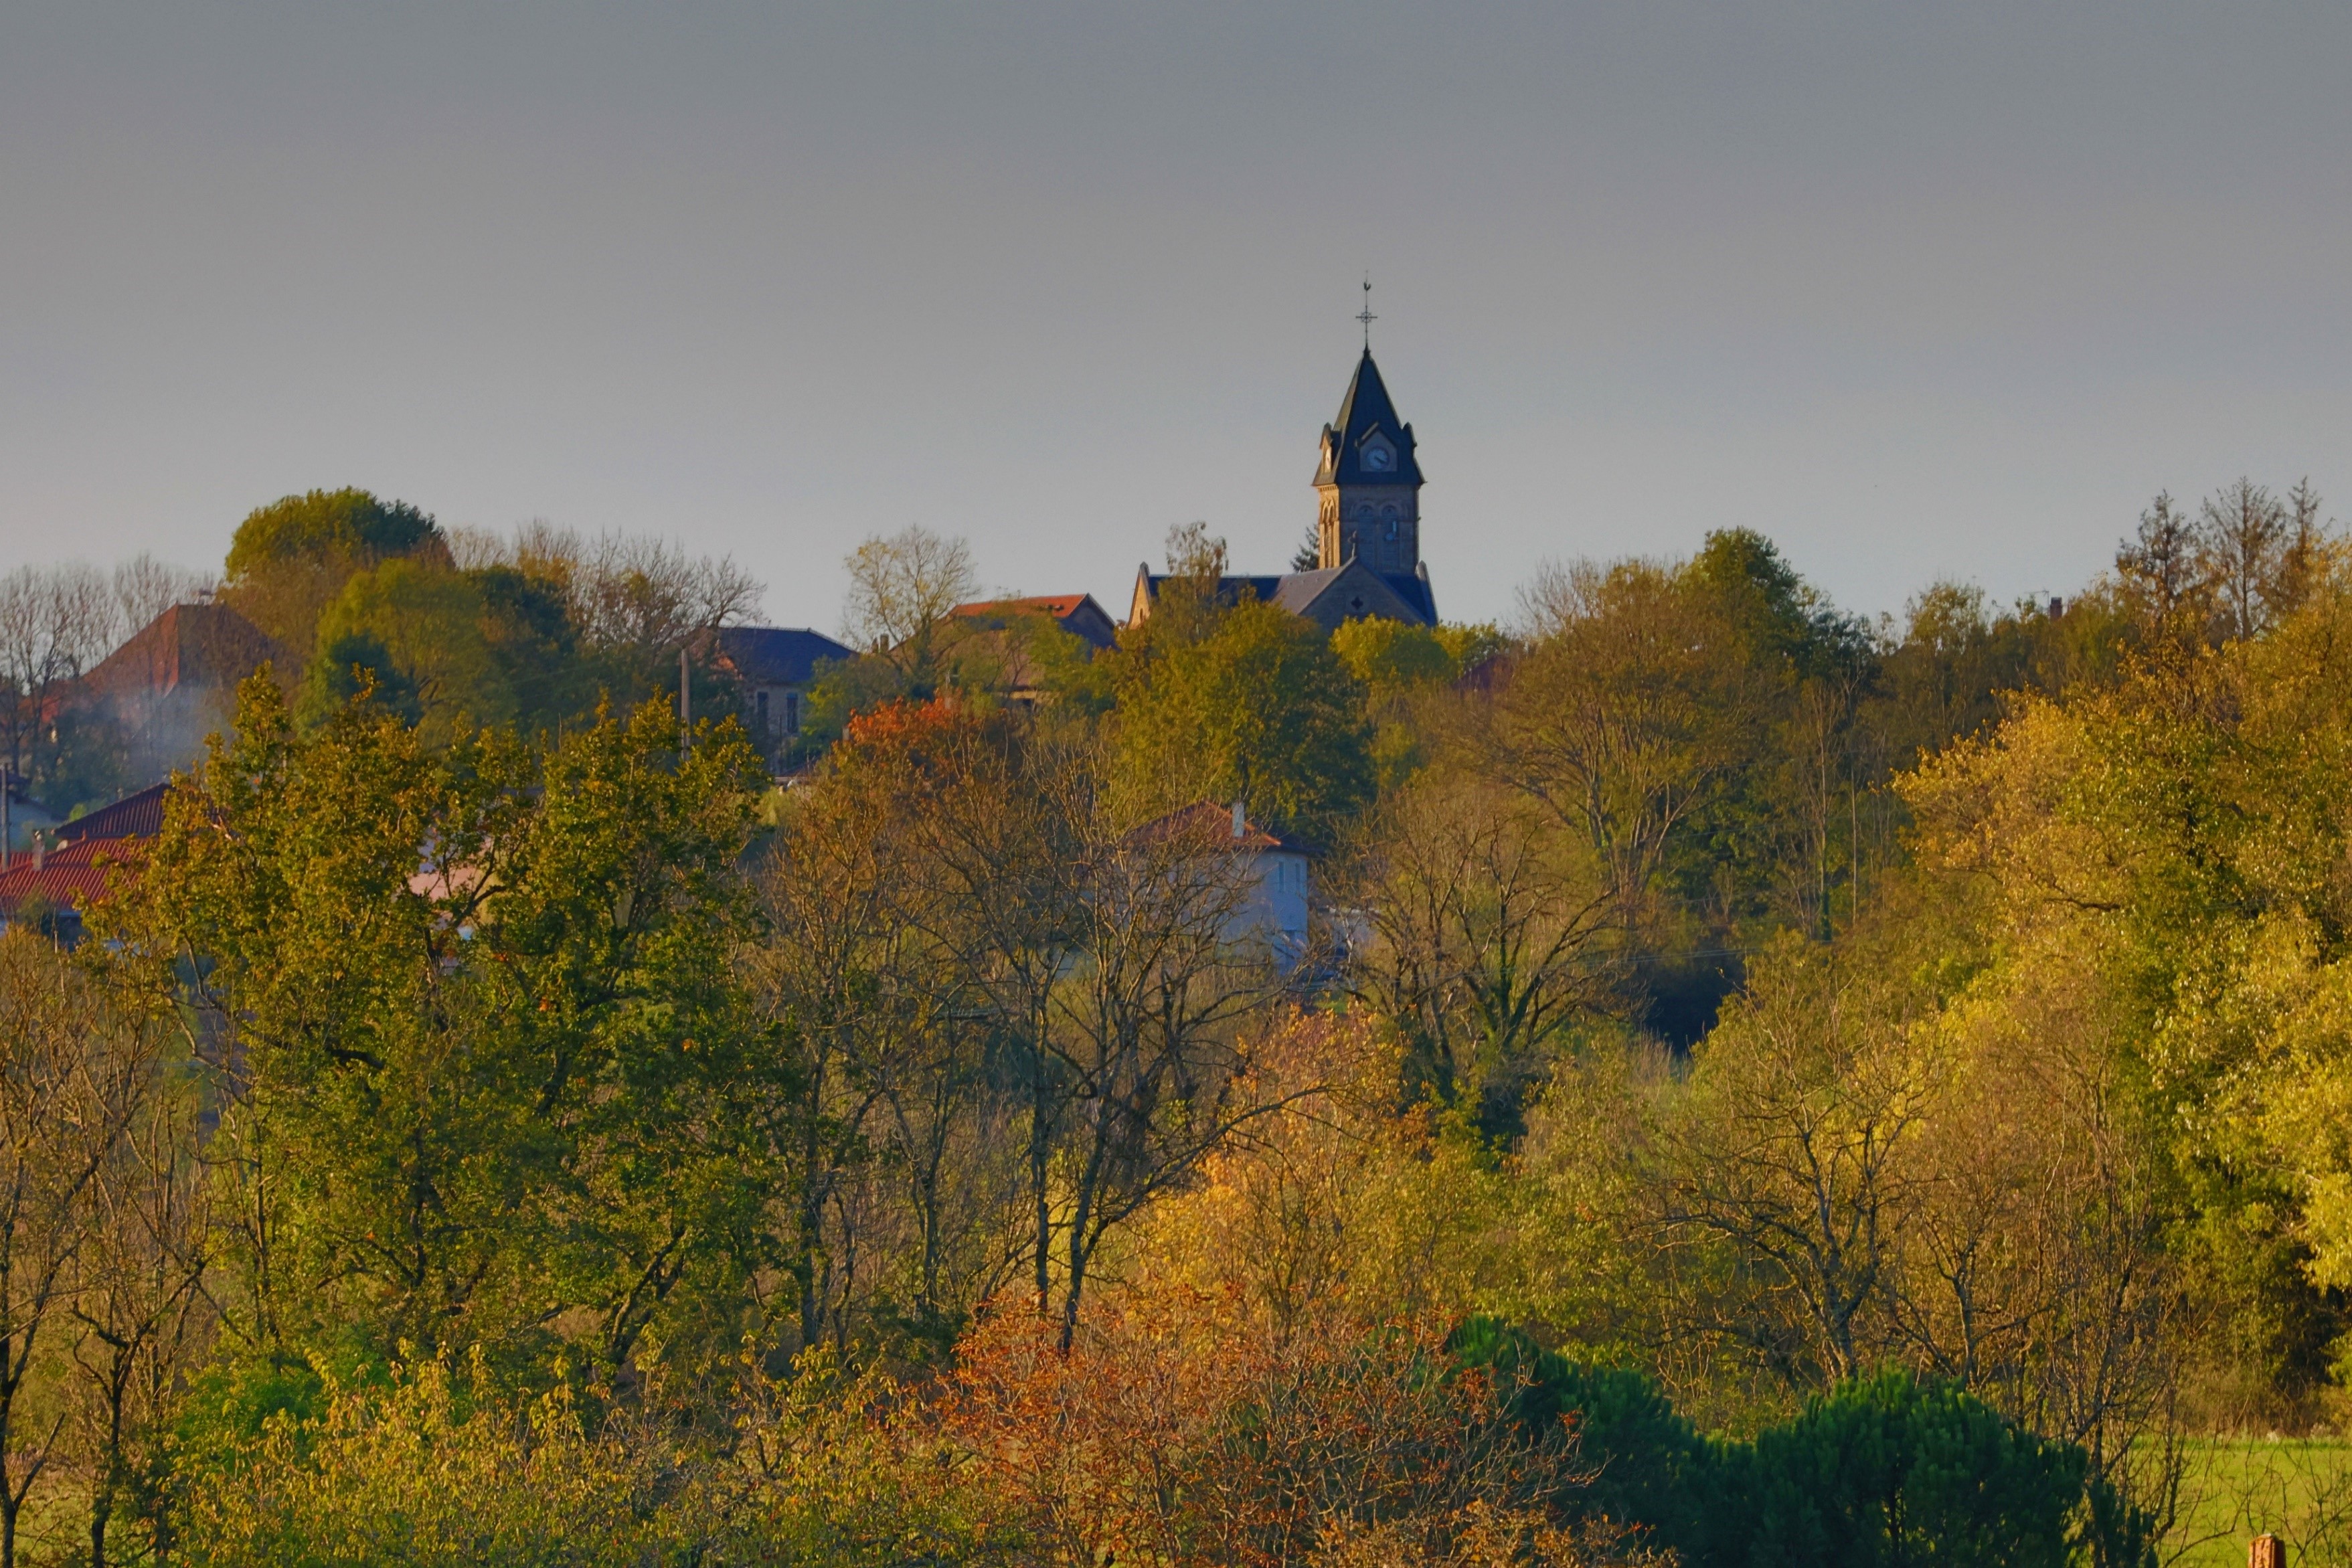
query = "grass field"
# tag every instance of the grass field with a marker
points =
(2298, 1489)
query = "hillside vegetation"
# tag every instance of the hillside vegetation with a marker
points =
(1761, 1086)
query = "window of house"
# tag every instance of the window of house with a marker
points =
(791, 713)
(759, 706)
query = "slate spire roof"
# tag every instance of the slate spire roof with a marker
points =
(1366, 412)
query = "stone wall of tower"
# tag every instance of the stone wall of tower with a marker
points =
(1380, 524)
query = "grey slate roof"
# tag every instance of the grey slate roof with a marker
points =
(1310, 593)
(1364, 410)
(1300, 591)
(777, 656)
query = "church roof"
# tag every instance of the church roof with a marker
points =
(1351, 590)
(1364, 412)
(1347, 592)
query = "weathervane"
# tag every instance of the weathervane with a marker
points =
(1365, 315)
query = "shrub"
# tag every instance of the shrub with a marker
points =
(1891, 1469)
(1177, 1430)
(1649, 1467)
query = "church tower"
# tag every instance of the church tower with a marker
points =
(1369, 483)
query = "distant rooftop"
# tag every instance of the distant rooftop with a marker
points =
(1077, 613)
(778, 655)
(139, 816)
(197, 645)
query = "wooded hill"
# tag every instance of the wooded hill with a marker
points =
(1762, 1086)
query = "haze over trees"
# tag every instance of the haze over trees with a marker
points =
(1761, 1086)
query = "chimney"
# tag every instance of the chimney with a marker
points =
(2057, 608)
(1241, 821)
(40, 850)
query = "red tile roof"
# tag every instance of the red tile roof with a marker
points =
(139, 816)
(201, 645)
(1055, 604)
(1075, 612)
(72, 876)
(1207, 820)
(92, 849)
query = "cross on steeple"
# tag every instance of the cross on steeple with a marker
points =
(1365, 315)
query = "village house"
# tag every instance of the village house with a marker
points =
(175, 681)
(773, 667)
(1272, 908)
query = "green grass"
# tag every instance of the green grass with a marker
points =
(2298, 1489)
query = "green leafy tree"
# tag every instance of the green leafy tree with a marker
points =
(289, 560)
(325, 522)
(434, 623)
(1390, 656)
(499, 1083)
(355, 667)
(1260, 709)
(1404, 669)
(534, 647)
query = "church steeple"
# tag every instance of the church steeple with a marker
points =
(1369, 481)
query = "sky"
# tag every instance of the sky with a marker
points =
(1920, 291)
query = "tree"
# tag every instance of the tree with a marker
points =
(1630, 708)
(492, 1043)
(289, 560)
(1891, 1469)
(2301, 556)
(900, 590)
(54, 624)
(2159, 566)
(534, 647)
(2242, 535)
(144, 588)
(545, 620)
(1487, 937)
(872, 967)
(1773, 610)
(432, 622)
(1170, 1429)
(1194, 596)
(1309, 556)
(1391, 657)
(1150, 1027)
(1790, 1151)
(351, 668)
(73, 1070)
(1195, 554)
(140, 1315)
(1259, 710)
(324, 522)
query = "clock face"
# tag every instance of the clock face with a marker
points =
(1380, 459)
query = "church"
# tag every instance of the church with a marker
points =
(1368, 524)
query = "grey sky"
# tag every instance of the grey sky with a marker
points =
(1918, 291)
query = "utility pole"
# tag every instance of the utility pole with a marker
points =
(685, 704)
(7, 784)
